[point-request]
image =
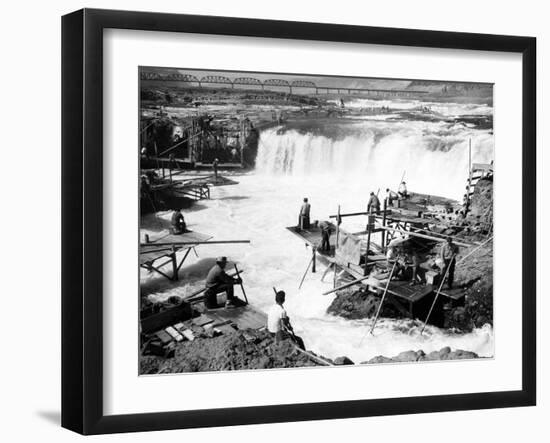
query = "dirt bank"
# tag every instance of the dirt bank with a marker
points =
(239, 350)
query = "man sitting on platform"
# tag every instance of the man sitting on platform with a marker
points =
(326, 230)
(218, 281)
(447, 254)
(178, 222)
(278, 323)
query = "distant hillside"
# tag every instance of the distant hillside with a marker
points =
(453, 91)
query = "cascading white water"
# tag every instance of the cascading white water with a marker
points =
(434, 156)
(332, 164)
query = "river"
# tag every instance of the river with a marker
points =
(333, 163)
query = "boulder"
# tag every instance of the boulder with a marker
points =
(379, 359)
(340, 361)
(408, 356)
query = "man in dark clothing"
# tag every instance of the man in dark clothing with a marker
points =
(325, 235)
(303, 219)
(215, 164)
(218, 281)
(415, 264)
(374, 204)
(178, 222)
(447, 254)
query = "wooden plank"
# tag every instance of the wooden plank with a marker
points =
(166, 318)
(194, 243)
(455, 293)
(428, 237)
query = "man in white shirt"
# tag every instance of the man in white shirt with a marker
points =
(278, 323)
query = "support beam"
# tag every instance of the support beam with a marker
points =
(184, 243)
(428, 237)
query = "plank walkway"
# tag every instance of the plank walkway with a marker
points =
(150, 252)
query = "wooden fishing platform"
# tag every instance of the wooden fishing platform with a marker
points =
(164, 330)
(313, 238)
(156, 253)
(195, 188)
(357, 256)
(243, 316)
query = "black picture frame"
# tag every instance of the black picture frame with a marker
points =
(82, 219)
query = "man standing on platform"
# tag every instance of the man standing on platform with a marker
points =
(215, 164)
(374, 204)
(447, 254)
(326, 230)
(303, 220)
(218, 281)
(402, 191)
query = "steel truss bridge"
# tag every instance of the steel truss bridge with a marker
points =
(270, 84)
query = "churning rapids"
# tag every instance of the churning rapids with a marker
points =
(337, 163)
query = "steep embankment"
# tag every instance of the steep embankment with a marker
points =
(475, 274)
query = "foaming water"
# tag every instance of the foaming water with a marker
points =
(331, 166)
(434, 156)
(276, 258)
(446, 109)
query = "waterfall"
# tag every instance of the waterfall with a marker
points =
(375, 153)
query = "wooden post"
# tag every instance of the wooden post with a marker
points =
(241, 140)
(336, 247)
(305, 273)
(437, 293)
(383, 297)
(469, 170)
(313, 259)
(368, 245)
(384, 224)
(174, 264)
(241, 283)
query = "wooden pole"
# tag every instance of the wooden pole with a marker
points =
(241, 283)
(383, 297)
(183, 243)
(368, 246)
(428, 237)
(174, 264)
(384, 224)
(336, 247)
(305, 273)
(469, 170)
(437, 293)
(347, 285)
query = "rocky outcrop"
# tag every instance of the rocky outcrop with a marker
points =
(246, 349)
(356, 304)
(412, 356)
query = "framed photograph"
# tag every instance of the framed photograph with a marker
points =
(270, 221)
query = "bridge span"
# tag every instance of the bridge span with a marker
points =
(305, 87)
